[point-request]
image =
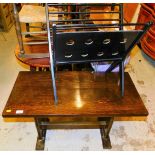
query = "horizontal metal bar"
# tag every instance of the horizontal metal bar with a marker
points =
(35, 43)
(39, 32)
(82, 12)
(38, 37)
(83, 4)
(88, 27)
(83, 20)
(101, 25)
(85, 61)
(34, 55)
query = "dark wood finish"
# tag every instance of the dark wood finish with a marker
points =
(105, 130)
(41, 133)
(88, 96)
(80, 94)
(104, 123)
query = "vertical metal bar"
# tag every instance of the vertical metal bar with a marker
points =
(121, 15)
(121, 71)
(112, 7)
(18, 29)
(51, 55)
(115, 63)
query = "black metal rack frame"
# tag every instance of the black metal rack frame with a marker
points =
(80, 39)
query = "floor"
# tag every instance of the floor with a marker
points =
(136, 133)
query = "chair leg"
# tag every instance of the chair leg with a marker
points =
(121, 72)
(28, 30)
(33, 69)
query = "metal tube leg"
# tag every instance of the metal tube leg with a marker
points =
(52, 63)
(112, 66)
(105, 130)
(18, 29)
(121, 71)
(41, 134)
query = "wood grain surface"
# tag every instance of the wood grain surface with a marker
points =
(79, 94)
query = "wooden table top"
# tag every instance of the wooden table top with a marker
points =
(79, 94)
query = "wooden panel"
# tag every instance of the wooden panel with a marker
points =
(6, 16)
(129, 10)
(79, 94)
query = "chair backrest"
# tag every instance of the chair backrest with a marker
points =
(92, 46)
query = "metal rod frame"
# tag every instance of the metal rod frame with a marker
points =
(83, 20)
(146, 27)
(27, 34)
(83, 12)
(18, 29)
(35, 43)
(41, 32)
(77, 26)
(100, 25)
(83, 4)
(51, 57)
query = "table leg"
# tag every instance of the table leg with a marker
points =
(28, 30)
(33, 69)
(105, 130)
(41, 133)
